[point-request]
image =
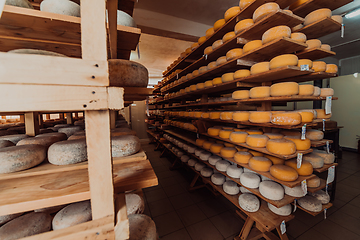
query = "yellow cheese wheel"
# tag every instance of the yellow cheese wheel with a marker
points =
(242, 157)
(200, 141)
(305, 169)
(331, 68)
(207, 145)
(238, 137)
(208, 50)
(201, 40)
(275, 33)
(260, 68)
(225, 134)
(337, 18)
(231, 12)
(301, 145)
(252, 45)
(326, 47)
(275, 160)
(244, 3)
(228, 36)
(192, 114)
(297, 4)
(253, 131)
(200, 86)
(241, 73)
(257, 140)
(188, 50)
(217, 81)
(286, 119)
(260, 92)
(208, 84)
(214, 115)
(227, 77)
(226, 115)
(306, 90)
(205, 115)
(194, 46)
(198, 114)
(203, 69)
(211, 65)
(218, 24)
(228, 152)
(256, 154)
(317, 15)
(243, 24)
(297, 27)
(261, 164)
(319, 66)
(260, 117)
(221, 60)
(241, 94)
(283, 173)
(241, 116)
(209, 32)
(313, 43)
(321, 114)
(216, 148)
(193, 88)
(306, 116)
(313, 182)
(195, 72)
(281, 146)
(187, 89)
(284, 60)
(284, 89)
(217, 44)
(265, 10)
(298, 36)
(182, 91)
(234, 53)
(274, 135)
(305, 62)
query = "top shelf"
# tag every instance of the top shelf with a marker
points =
(313, 5)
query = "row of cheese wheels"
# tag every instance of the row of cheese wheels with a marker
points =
(179, 124)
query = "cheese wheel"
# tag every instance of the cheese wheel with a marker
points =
(301, 145)
(198, 114)
(207, 145)
(238, 137)
(217, 81)
(211, 65)
(228, 152)
(275, 160)
(281, 211)
(191, 162)
(253, 131)
(283, 60)
(216, 148)
(225, 133)
(14, 138)
(259, 92)
(281, 146)
(7, 143)
(305, 169)
(313, 182)
(134, 203)
(329, 158)
(306, 90)
(209, 32)
(208, 50)
(331, 68)
(313, 43)
(221, 60)
(200, 141)
(256, 154)
(315, 160)
(242, 157)
(321, 114)
(184, 158)
(227, 77)
(208, 84)
(200, 86)
(283, 173)
(234, 53)
(297, 27)
(337, 18)
(250, 180)
(222, 165)
(284, 89)
(274, 135)
(191, 149)
(305, 62)
(228, 36)
(234, 171)
(255, 44)
(249, 202)
(260, 68)
(264, 10)
(317, 92)
(260, 117)
(194, 46)
(242, 25)
(306, 116)
(73, 9)
(226, 115)
(188, 50)
(322, 196)
(122, 146)
(298, 36)
(45, 140)
(140, 227)
(295, 191)
(214, 115)
(217, 44)
(231, 188)
(241, 116)
(218, 24)
(206, 172)
(201, 40)
(314, 135)
(317, 15)
(218, 179)
(244, 3)
(286, 119)
(205, 115)
(241, 94)
(310, 203)
(199, 166)
(70, 130)
(72, 214)
(7, 218)
(198, 151)
(193, 88)
(256, 140)
(261, 164)
(214, 159)
(241, 73)
(271, 190)
(275, 33)
(326, 47)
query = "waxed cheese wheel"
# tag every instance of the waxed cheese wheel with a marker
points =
(337, 18)
(201, 40)
(284, 89)
(126, 145)
(213, 131)
(274, 135)
(249, 202)
(276, 32)
(260, 68)
(315, 160)
(283, 60)
(250, 180)
(305, 169)
(260, 92)
(260, 117)
(64, 7)
(306, 90)
(283, 173)
(286, 118)
(297, 4)
(257, 140)
(281, 211)
(326, 92)
(234, 171)
(252, 45)
(271, 190)
(141, 226)
(27, 225)
(206, 172)
(125, 73)
(225, 134)
(135, 204)
(218, 24)
(67, 152)
(228, 152)
(242, 25)
(329, 158)
(242, 157)
(310, 203)
(321, 114)
(326, 47)
(264, 10)
(261, 164)
(238, 137)
(226, 115)
(221, 60)
(319, 66)
(19, 3)
(301, 144)
(317, 15)
(231, 187)
(217, 179)
(296, 191)
(275, 160)
(253, 131)
(281, 146)
(300, 37)
(208, 50)
(241, 94)
(241, 116)
(227, 77)
(322, 196)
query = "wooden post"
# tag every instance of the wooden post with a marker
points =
(47, 116)
(76, 115)
(112, 6)
(112, 119)
(41, 121)
(69, 118)
(61, 116)
(22, 118)
(32, 124)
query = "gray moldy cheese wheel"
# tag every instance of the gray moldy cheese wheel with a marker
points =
(36, 52)
(75, 137)
(7, 132)
(310, 203)
(249, 202)
(67, 152)
(6, 143)
(45, 130)
(134, 203)
(70, 130)
(50, 210)
(40, 140)
(122, 131)
(19, 3)
(27, 225)
(6, 218)
(72, 214)
(15, 138)
(141, 227)
(61, 136)
(17, 158)
(125, 73)
(64, 7)
(124, 145)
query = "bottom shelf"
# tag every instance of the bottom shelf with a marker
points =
(324, 206)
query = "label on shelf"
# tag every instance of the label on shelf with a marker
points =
(197, 135)
(283, 227)
(328, 105)
(304, 67)
(325, 210)
(295, 207)
(299, 160)
(303, 132)
(205, 57)
(323, 121)
(327, 147)
(342, 30)
(331, 175)
(304, 186)
(177, 76)
(327, 188)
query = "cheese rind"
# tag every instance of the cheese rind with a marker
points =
(208, 50)
(199, 166)
(283, 60)
(305, 62)
(227, 152)
(242, 157)
(249, 202)
(231, 187)
(234, 171)
(331, 68)
(227, 77)
(276, 32)
(284, 89)
(306, 90)
(257, 140)
(317, 15)
(225, 134)
(217, 44)
(281, 146)
(260, 117)
(238, 137)
(271, 190)
(295, 191)
(313, 182)
(252, 45)
(310, 203)
(244, 3)
(234, 53)
(228, 36)
(206, 172)
(260, 68)
(217, 179)
(243, 24)
(231, 12)
(226, 115)
(214, 159)
(250, 180)
(300, 37)
(241, 73)
(305, 169)
(221, 60)
(241, 116)
(264, 10)
(322, 196)
(301, 145)
(72, 214)
(261, 164)
(218, 24)
(241, 94)
(209, 32)
(281, 211)
(337, 18)
(259, 92)
(319, 66)
(141, 226)
(313, 43)
(329, 158)
(286, 118)
(283, 173)
(315, 160)
(326, 92)
(314, 135)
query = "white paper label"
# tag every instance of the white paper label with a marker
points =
(327, 147)
(323, 121)
(238, 62)
(325, 210)
(304, 186)
(304, 67)
(295, 207)
(283, 227)
(205, 57)
(303, 132)
(177, 76)
(197, 135)
(328, 105)
(327, 188)
(299, 160)
(342, 30)
(331, 175)
(138, 50)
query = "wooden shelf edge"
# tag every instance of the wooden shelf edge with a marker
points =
(324, 206)
(325, 167)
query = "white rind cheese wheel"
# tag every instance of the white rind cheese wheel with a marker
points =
(198, 152)
(6, 143)
(205, 156)
(43, 140)
(184, 158)
(271, 190)
(64, 7)
(231, 188)
(326, 92)
(134, 203)
(7, 218)
(70, 130)
(241, 116)
(310, 203)
(218, 179)
(192, 162)
(242, 25)
(257, 140)
(317, 15)
(206, 172)
(249, 202)
(222, 165)
(259, 92)
(282, 211)
(322, 196)
(260, 68)
(15, 138)
(275, 33)
(283, 60)
(306, 90)
(260, 117)
(315, 160)
(67, 152)
(249, 180)
(314, 135)
(19, 3)
(295, 191)
(199, 166)
(234, 171)
(214, 159)
(284, 89)
(300, 37)
(126, 145)
(286, 118)
(141, 226)
(260, 164)
(191, 149)
(125, 19)
(329, 158)
(244, 190)
(264, 10)
(252, 45)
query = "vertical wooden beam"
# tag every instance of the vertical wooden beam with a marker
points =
(76, 115)
(22, 118)
(69, 118)
(41, 121)
(32, 124)
(112, 119)
(112, 6)
(61, 116)
(47, 117)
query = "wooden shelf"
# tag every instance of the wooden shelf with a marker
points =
(325, 167)
(320, 28)
(324, 206)
(322, 186)
(309, 77)
(136, 93)
(313, 5)
(320, 143)
(315, 54)
(28, 28)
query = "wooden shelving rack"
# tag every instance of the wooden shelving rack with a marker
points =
(33, 84)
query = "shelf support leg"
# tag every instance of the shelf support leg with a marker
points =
(32, 127)
(69, 118)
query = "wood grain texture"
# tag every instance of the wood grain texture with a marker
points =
(320, 28)
(315, 54)
(32, 127)
(312, 5)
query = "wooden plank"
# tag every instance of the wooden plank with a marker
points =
(32, 127)
(69, 118)
(122, 231)
(324, 206)
(320, 143)
(325, 167)
(312, 5)
(309, 77)
(315, 189)
(320, 28)
(112, 6)
(315, 54)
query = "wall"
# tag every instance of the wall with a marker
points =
(138, 116)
